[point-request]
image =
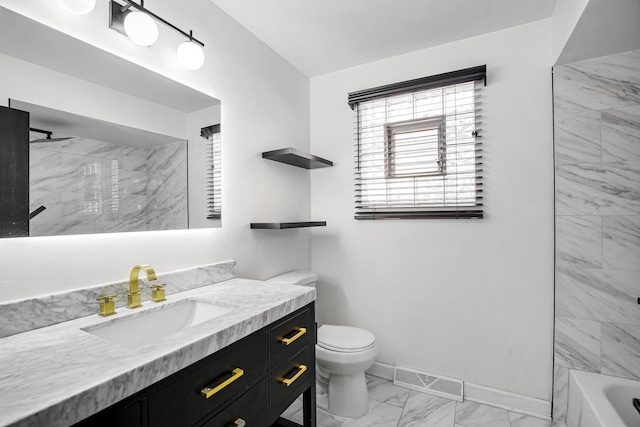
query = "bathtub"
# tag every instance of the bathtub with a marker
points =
(597, 400)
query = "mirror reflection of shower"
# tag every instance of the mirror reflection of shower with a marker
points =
(105, 178)
(48, 138)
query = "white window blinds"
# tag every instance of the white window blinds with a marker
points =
(214, 171)
(418, 150)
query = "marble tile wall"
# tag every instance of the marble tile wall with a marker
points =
(167, 187)
(90, 186)
(597, 194)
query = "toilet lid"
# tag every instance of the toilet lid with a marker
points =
(345, 339)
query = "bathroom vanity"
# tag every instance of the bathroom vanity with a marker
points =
(242, 368)
(250, 383)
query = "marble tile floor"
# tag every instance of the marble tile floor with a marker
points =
(393, 406)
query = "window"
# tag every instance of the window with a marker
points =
(214, 171)
(418, 152)
(415, 148)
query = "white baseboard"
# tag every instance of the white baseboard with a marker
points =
(506, 400)
(382, 370)
(485, 395)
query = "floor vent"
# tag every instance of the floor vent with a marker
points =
(438, 385)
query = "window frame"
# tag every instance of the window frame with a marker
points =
(381, 194)
(417, 125)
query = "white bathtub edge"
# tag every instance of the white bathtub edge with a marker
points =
(588, 406)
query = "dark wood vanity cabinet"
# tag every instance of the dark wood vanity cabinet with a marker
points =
(250, 383)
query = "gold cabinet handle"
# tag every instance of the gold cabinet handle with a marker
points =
(239, 423)
(210, 391)
(301, 332)
(289, 381)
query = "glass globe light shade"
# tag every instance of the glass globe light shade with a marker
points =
(141, 28)
(190, 55)
(79, 7)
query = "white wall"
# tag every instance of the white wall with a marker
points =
(565, 17)
(471, 299)
(605, 28)
(265, 105)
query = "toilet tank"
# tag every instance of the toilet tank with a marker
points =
(297, 277)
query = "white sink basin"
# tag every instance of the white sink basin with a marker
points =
(150, 325)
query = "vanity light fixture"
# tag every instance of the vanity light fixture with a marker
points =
(79, 7)
(141, 28)
(190, 54)
(139, 24)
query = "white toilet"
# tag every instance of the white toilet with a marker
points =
(343, 353)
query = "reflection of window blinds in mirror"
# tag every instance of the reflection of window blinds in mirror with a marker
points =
(214, 171)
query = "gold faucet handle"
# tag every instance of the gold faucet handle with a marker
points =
(157, 293)
(107, 305)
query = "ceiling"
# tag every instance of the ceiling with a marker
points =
(322, 36)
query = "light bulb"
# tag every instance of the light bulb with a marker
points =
(141, 28)
(190, 55)
(79, 7)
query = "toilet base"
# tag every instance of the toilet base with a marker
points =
(348, 395)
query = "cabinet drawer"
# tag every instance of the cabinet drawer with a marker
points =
(250, 408)
(223, 375)
(293, 373)
(121, 416)
(288, 337)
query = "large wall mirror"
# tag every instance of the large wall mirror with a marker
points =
(113, 147)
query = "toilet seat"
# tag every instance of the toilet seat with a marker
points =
(345, 339)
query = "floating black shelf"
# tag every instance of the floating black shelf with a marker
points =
(284, 225)
(295, 157)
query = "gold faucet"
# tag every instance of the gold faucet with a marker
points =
(134, 297)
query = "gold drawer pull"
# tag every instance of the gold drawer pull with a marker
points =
(289, 381)
(208, 391)
(301, 332)
(239, 423)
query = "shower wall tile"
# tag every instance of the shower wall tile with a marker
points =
(138, 224)
(560, 392)
(62, 228)
(577, 138)
(578, 344)
(579, 241)
(132, 182)
(167, 211)
(49, 199)
(596, 294)
(106, 225)
(53, 171)
(90, 186)
(597, 148)
(133, 159)
(621, 242)
(593, 189)
(166, 169)
(620, 134)
(84, 147)
(167, 206)
(597, 84)
(621, 350)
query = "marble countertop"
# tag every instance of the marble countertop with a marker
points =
(60, 374)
